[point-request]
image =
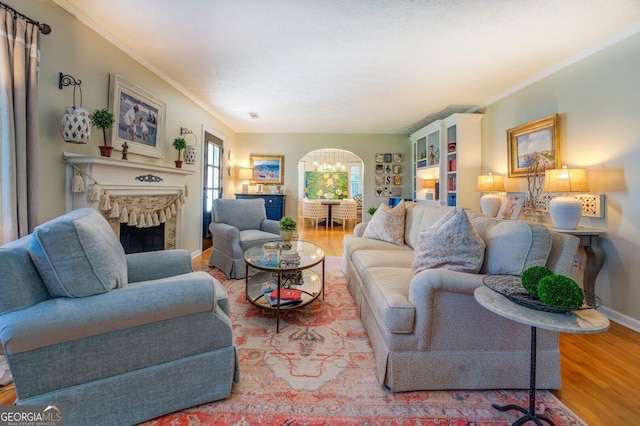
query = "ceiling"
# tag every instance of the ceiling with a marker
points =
(352, 66)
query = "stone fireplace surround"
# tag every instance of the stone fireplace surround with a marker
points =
(137, 185)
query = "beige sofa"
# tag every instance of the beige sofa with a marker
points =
(427, 331)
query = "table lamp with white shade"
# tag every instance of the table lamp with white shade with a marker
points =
(565, 211)
(490, 203)
(245, 175)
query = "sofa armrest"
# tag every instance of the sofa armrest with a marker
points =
(438, 295)
(271, 226)
(157, 264)
(64, 319)
(358, 230)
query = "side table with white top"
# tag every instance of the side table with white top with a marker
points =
(583, 321)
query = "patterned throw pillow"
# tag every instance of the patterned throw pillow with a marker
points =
(387, 224)
(451, 243)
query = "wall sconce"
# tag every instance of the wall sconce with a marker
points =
(490, 203)
(190, 153)
(245, 175)
(565, 211)
(76, 123)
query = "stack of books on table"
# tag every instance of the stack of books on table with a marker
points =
(289, 257)
(288, 296)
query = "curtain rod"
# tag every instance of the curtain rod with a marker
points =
(44, 28)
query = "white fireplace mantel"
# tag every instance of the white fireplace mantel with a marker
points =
(122, 177)
(140, 185)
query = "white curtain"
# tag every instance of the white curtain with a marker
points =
(18, 126)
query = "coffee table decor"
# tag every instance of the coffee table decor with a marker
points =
(511, 287)
(283, 270)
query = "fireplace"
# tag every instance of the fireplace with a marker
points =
(143, 188)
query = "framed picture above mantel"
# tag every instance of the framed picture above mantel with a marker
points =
(539, 138)
(140, 118)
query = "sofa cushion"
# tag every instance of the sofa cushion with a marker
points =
(387, 288)
(387, 224)
(451, 243)
(512, 245)
(78, 255)
(420, 217)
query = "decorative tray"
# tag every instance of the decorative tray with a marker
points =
(511, 287)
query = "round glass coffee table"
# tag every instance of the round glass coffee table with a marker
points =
(284, 279)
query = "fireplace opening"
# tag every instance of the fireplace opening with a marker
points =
(137, 240)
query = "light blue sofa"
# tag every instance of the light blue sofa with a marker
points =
(235, 226)
(109, 338)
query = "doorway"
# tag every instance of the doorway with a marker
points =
(347, 165)
(212, 185)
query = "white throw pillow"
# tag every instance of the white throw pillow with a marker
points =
(450, 243)
(387, 224)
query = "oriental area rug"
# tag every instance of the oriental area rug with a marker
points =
(319, 370)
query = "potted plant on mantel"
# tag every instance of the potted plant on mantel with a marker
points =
(179, 144)
(287, 225)
(103, 120)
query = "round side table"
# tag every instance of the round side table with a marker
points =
(581, 321)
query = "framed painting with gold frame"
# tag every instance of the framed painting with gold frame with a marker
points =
(540, 138)
(267, 169)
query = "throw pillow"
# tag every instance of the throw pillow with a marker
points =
(512, 245)
(450, 243)
(387, 224)
(78, 255)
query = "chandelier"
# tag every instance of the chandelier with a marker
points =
(329, 165)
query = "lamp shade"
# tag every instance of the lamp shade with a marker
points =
(565, 211)
(428, 183)
(245, 174)
(490, 183)
(565, 180)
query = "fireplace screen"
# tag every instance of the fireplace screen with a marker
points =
(137, 240)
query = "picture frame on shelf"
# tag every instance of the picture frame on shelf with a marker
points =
(267, 169)
(140, 118)
(511, 206)
(538, 137)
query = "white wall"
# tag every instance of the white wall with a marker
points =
(598, 100)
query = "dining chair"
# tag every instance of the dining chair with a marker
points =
(347, 209)
(314, 209)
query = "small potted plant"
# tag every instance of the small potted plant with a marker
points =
(287, 225)
(372, 211)
(103, 120)
(179, 144)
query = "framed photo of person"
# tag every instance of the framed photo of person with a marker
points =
(140, 118)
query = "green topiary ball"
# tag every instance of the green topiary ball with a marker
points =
(560, 290)
(532, 276)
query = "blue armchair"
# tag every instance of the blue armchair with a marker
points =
(235, 226)
(108, 337)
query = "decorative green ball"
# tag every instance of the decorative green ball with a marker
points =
(560, 290)
(532, 276)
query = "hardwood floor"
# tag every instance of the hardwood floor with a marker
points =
(600, 372)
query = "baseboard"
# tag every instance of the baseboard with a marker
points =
(195, 254)
(621, 319)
